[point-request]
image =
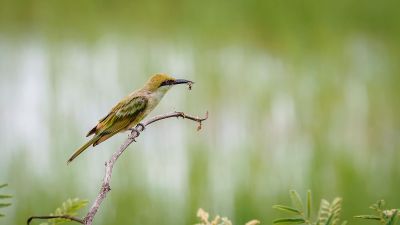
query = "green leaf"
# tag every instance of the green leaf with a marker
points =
(323, 211)
(368, 217)
(2, 205)
(296, 200)
(328, 221)
(287, 209)
(289, 221)
(378, 205)
(308, 205)
(69, 207)
(329, 213)
(344, 222)
(5, 196)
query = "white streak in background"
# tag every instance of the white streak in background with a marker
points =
(231, 61)
(226, 153)
(261, 69)
(286, 145)
(368, 58)
(95, 72)
(232, 130)
(164, 154)
(356, 119)
(131, 64)
(7, 92)
(283, 117)
(350, 129)
(166, 164)
(25, 119)
(105, 71)
(173, 60)
(235, 131)
(356, 101)
(72, 78)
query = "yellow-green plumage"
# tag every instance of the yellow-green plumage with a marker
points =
(130, 110)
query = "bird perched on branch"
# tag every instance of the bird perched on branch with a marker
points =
(128, 112)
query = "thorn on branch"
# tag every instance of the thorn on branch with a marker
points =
(190, 85)
(106, 187)
(199, 127)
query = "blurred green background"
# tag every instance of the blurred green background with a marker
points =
(301, 94)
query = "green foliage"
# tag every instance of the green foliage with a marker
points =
(70, 207)
(329, 213)
(3, 205)
(384, 216)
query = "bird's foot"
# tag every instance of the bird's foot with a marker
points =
(134, 133)
(140, 125)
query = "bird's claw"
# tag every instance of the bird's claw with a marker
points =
(133, 137)
(140, 125)
(134, 133)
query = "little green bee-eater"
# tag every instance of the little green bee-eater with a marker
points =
(128, 112)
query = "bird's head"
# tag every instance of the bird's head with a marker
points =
(163, 82)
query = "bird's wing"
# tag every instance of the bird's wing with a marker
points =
(121, 115)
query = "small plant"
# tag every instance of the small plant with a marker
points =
(384, 216)
(3, 205)
(329, 213)
(62, 214)
(204, 218)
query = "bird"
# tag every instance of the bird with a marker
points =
(130, 110)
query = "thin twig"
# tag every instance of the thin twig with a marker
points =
(55, 217)
(105, 187)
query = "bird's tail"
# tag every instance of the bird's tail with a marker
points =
(83, 148)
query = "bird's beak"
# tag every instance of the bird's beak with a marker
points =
(182, 81)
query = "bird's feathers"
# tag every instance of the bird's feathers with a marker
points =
(120, 116)
(126, 114)
(83, 148)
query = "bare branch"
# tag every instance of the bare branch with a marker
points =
(55, 217)
(105, 187)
